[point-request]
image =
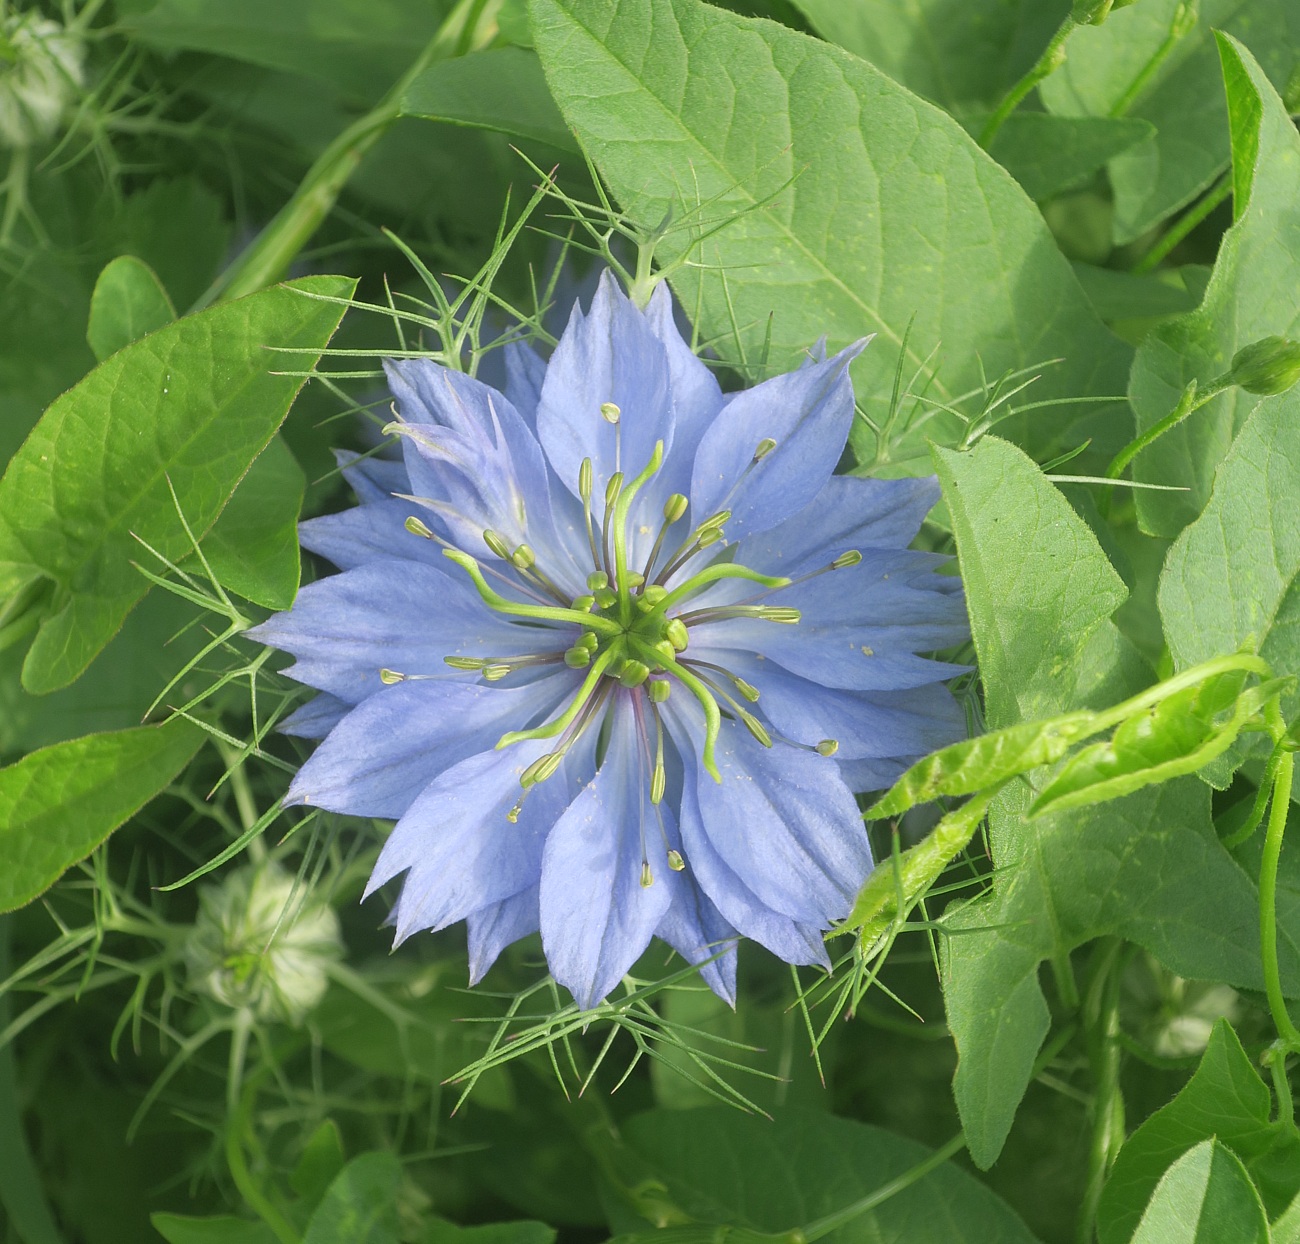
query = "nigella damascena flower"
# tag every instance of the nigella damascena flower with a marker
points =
(615, 650)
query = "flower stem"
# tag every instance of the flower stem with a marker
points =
(1176, 232)
(268, 257)
(1053, 58)
(1191, 400)
(1268, 869)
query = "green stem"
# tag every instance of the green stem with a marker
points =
(1190, 401)
(1106, 1053)
(1188, 221)
(1268, 902)
(267, 259)
(1178, 27)
(1053, 58)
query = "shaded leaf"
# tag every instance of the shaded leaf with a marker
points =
(360, 1205)
(1047, 154)
(58, 804)
(1206, 1197)
(224, 1229)
(128, 302)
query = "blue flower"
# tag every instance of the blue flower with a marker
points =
(615, 650)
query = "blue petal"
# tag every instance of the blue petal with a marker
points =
(781, 819)
(472, 458)
(610, 355)
(457, 846)
(372, 478)
(848, 513)
(597, 917)
(696, 398)
(392, 615)
(396, 742)
(790, 940)
(316, 718)
(496, 926)
(525, 372)
(360, 535)
(808, 413)
(903, 725)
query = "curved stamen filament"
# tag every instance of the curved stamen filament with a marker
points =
(547, 613)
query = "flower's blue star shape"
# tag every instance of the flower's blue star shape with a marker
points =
(616, 649)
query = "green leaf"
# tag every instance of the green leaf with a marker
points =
(1047, 154)
(1148, 868)
(524, 1231)
(129, 302)
(360, 1206)
(58, 804)
(1142, 296)
(1180, 735)
(851, 205)
(1180, 94)
(1037, 582)
(192, 405)
(1206, 1197)
(322, 1159)
(954, 52)
(989, 760)
(224, 1229)
(721, 1166)
(1225, 1098)
(1286, 1230)
(1247, 544)
(253, 547)
(500, 89)
(1249, 297)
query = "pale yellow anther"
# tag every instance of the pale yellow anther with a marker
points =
(610, 412)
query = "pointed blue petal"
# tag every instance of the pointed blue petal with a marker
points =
(457, 846)
(396, 742)
(781, 819)
(609, 355)
(597, 917)
(496, 926)
(393, 615)
(525, 372)
(808, 413)
(316, 718)
(372, 478)
(357, 536)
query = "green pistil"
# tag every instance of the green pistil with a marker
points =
(589, 684)
(621, 507)
(720, 570)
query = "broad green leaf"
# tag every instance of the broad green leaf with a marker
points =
(1180, 94)
(1148, 868)
(129, 302)
(253, 547)
(322, 1159)
(851, 205)
(361, 45)
(1206, 1197)
(990, 759)
(1286, 1230)
(1178, 736)
(1226, 1099)
(957, 53)
(1047, 154)
(501, 89)
(360, 1206)
(525, 1231)
(1250, 295)
(724, 1167)
(1231, 577)
(188, 409)
(58, 804)
(224, 1229)
(1142, 296)
(1037, 582)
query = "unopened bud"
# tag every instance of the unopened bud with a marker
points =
(675, 633)
(610, 412)
(675, 507)
(764, 447)
(1268, 366)
(417, 528)
(577, 657)
(828, 747)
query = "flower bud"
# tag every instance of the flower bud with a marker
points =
(249, 947)
(42, 71)
(1268, 366)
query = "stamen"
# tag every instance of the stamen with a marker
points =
(496, 544)
(584, 491)
(674, 508)
(390, 677)
(675, 861)
(748, 690)
(723, 613)
(612, 489)
(827, 747)
(707, 533)
(712, 715)
(751, 723)
(501, 604)
(647, 877)
(658, 689)
(610, 412)
(764, 447)
(417, 528)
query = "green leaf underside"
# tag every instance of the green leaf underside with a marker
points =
(787, 1173)
(253, 546)
(1230, 578)
(194, 404)
(1251, 295)
(129, 302)
(500, 89)
(884, 207)
(1204, 1198)
(1047, 154)
(58, 804)
(1183, 99)
(951, 51)
(1225, 1098)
